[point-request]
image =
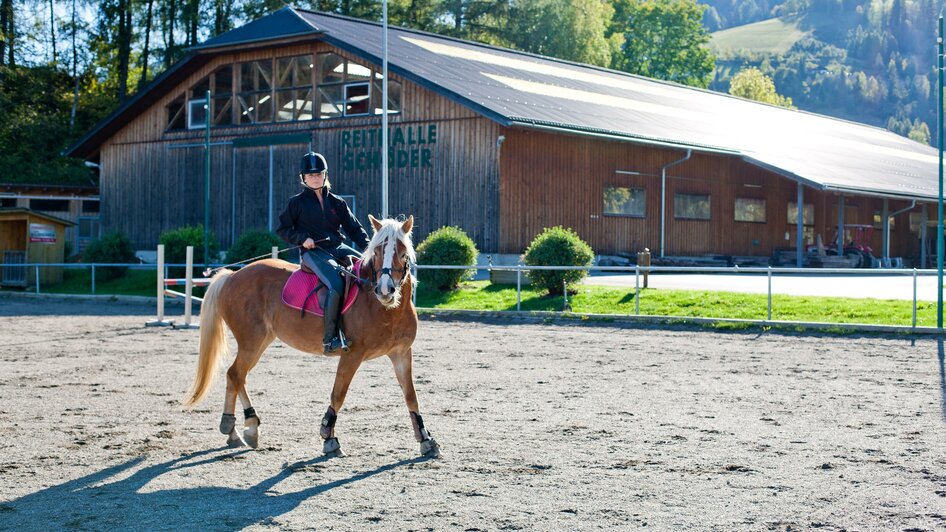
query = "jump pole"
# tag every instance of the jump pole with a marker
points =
(189, 291)
(160, 322)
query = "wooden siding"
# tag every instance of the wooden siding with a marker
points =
(152, 181)
(553, 179)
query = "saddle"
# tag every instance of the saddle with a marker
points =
(304, 283)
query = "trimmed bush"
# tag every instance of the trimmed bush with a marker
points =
(447, 246)
(112, 248)
(558, 246)
(176, 242)
(253, 244)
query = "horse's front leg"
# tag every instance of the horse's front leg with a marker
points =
(348, 364)
(403, 369)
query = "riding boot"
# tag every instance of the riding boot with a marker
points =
(331, 342)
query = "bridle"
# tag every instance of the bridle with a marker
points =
(370, 279)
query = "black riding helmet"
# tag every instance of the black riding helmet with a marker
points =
(312, 163)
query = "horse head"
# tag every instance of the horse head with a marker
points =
(389, 257)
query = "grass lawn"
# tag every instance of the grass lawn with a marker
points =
(482, 295)
(772, 36)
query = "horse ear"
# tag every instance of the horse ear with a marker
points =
(408, 225)
(374, 223)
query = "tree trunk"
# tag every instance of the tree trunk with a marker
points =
(124, 47)
(169, 17)
(52, 28)
(8, 31)
(144, 53)
(75, 71)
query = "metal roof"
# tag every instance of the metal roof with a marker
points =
(519, 89)
(516, 88)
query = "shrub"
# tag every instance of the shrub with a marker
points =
(448, 246)
(113, 248)
(557, 246)
(176, 242)
(253, 244)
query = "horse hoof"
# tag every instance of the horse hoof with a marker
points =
(227, 422)
(430, 448)
(332, 449)
(251, 436)
(233, 440)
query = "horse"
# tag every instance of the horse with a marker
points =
(381, 322)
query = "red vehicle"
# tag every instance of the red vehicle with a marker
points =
(857, 239)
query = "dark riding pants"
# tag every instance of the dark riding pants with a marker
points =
(325, 262)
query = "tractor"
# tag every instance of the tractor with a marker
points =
(857, 249)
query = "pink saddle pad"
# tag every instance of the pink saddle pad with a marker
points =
(301, 284)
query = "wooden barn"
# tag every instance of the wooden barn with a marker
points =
(499, 143)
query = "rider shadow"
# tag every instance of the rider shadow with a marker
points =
(96, 501)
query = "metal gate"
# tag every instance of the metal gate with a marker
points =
(14, 275)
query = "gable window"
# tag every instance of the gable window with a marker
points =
(750, 210)
(255, 99)
(294, 84)
(197, 114)
(623, 201)
(691, 206)
(177, 117)
(53, 205)
(346, 88)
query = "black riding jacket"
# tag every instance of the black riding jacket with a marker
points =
(304, 218)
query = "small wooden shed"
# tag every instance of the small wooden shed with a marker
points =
(30, 237)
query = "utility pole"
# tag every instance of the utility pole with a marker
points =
(208, 114)
(939, 203)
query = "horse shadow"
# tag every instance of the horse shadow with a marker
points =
(108, 499)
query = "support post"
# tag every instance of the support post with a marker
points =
(209, 116)
(939, 202)
(189, 287)
(800, 228)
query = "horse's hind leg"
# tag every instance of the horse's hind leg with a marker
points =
(403, 369)
(248, 354)
(347, 366)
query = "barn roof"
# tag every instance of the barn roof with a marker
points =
(519, 89)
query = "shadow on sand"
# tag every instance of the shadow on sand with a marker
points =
(104, 501)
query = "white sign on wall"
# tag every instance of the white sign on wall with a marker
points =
(42, 233)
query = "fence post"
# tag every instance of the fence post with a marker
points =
(93, 279)
(189, 286)
(162, 274)
(637, 289)
(37, 277)
(914, 298)
(519, 285)
(770, 294)
(275, 252)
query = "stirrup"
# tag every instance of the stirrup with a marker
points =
(336, 344)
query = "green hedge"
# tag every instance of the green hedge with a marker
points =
(253, 244)
(447, 246)
(175, 247)
(558, 246)
(114, 247)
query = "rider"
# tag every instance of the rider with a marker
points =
(314, 219)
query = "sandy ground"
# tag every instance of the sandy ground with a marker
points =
(543, 426)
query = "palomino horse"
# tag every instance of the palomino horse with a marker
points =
(381, 322)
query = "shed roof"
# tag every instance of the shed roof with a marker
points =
(14, 213)
(525, 90)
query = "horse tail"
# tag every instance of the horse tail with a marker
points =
(213, 340)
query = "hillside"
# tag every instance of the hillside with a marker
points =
(865, 60)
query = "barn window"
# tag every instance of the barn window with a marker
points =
(177, 118)
(793, 213)
(623, 201)
(52, 205)
(7, 202)
(750, 210)
(294, 92)
(346, 88)
(879, 221)
(254, 103)
(90, 205)
(196, 114)
(691, 206)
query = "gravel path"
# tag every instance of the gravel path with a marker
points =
(543, 427)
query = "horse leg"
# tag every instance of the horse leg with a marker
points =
(403, 369)
(347, 366)
(245, 361)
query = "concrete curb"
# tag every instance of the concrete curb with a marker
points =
(616, 319)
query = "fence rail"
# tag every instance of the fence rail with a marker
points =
(638, 271)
